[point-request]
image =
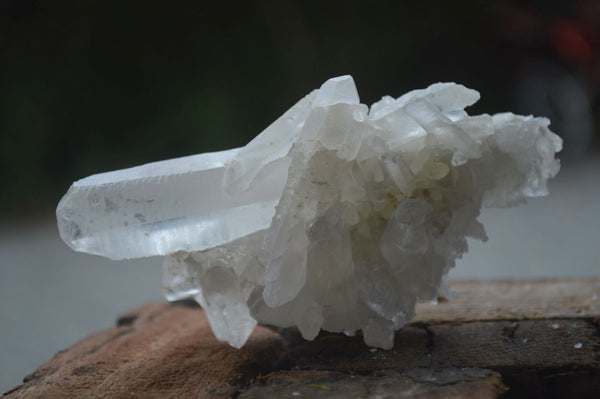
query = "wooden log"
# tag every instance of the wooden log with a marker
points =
(511, 339)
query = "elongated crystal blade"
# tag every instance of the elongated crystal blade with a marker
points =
(164, 207)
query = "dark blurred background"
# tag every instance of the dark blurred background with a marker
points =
(89, 86)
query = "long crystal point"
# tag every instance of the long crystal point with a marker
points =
(337, 217)
(164, 207)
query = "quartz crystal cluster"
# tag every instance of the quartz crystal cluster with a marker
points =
(336, 217)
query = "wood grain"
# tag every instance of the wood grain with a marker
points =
(510, 339)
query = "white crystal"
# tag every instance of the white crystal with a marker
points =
(336, 217)
(164, 207)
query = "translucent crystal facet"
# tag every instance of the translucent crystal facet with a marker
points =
(336, 217)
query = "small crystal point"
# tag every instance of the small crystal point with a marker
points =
(335, 217)
(337, 91)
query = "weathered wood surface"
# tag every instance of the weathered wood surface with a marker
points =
(498, 339)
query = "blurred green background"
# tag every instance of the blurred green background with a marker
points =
(89, 86)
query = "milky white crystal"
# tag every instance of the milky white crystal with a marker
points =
(336, 217)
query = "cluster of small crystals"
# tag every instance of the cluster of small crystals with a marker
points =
(374, 210)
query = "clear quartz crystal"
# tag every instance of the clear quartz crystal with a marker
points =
(336, 217)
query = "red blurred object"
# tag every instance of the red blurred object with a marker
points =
(572, 42)
(554, 47)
